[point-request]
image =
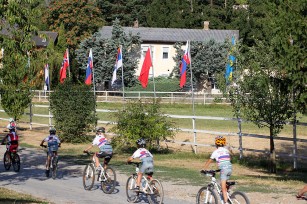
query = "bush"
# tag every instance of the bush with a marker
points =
(73, 108)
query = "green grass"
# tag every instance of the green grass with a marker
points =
(9, 196)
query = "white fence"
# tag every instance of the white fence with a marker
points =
(194, 131)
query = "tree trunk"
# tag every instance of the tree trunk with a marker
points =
(272, 164)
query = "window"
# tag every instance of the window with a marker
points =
(165, 53)
(144, 50)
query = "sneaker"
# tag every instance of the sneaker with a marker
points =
(136, 189)
(47, 173)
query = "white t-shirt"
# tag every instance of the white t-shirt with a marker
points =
(52, 138)
(222, 156)
(99, 140)
(141, 153)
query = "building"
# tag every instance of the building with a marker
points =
(162, 41)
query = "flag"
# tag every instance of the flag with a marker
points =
(47, 76)
(65, 65)
(145, 69)
(231, 61)
(89, 69)
(118, 64)
(186, 60)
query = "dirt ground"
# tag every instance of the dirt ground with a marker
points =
(279, 196)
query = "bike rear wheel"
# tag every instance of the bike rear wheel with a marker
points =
(88, 176)
(54, 161)
(7, 160)
(132, 195)
(155, 192)
(206, 195)
(238, 197)
(108, 182)
(16, 162)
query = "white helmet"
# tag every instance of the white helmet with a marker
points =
(11, 120)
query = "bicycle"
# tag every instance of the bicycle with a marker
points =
(208, 195)
(53, 164)
(106, 176)
(11, 158)
(152, 188)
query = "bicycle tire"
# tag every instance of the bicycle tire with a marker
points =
(54, 161)
(132, 195)
(155, 194)
(206, 195)
(7, 160)
(88, 176)
(109, 180)
(16, 162)
(238, 197)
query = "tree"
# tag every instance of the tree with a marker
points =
(73, 107)
(80, 19)
(105, 51)
(208, 59)
(20, 61)
(141, 120)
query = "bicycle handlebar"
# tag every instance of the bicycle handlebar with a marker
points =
(211, 172)
(89, 153)
(134, 163)
(45, 146)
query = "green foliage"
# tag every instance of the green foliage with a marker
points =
(141, 120)
(20, 60)
(73, 108)
(104, 55)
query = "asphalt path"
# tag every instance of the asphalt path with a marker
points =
(68, 187)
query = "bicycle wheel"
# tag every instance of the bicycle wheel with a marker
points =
(238, 197)
(88, 177)
(132, 195)
(16, 162)
(108, 182)
(155, 192)
(54, 161)
(7, 160)
(206, 196)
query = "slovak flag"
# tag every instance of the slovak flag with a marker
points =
(65, 65)
(186, 60)
(118, 64)
(47, 76)
(89, 69)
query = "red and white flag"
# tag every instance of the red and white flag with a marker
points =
(65, 65)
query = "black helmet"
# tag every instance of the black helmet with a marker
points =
(52, 131)
(12, 128)
(141, 142)
(101, 129)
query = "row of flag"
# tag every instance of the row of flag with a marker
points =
(144, 74)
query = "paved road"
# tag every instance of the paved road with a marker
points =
(68, 188)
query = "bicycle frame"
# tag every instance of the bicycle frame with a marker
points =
(146, 186)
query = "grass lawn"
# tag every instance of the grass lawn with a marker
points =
(8, 196)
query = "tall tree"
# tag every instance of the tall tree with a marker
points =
(20, 60)
(105, 51)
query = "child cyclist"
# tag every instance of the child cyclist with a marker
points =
(147, 161)
(106, 150)
(11, 139)
(222, 157)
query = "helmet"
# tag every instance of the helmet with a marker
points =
(12, 128)
(220, 141)
(101, 129)
(11, 120)
(141, 142)
(52, 131)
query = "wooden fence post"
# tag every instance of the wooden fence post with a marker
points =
(31, 116)
(240, 138)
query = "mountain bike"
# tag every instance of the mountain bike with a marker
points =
(53, 164)
(212, 193)
(106, 176)
(152, 188)
(11, 158)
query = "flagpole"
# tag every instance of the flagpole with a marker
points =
(94, 86)
(123, 84)
(68, 62)
(193, 101)
(153, 73)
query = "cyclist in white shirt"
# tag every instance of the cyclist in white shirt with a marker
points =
(147, 161)
(106, 150)
(222, 157)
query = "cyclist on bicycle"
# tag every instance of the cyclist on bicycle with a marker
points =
(106, 150)
(222, 157)
(53, 144)
(147, 161)
(12, 139)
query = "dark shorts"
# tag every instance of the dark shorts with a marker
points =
(106, 155)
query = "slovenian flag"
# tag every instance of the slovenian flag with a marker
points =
(89, 69)
(186, 59)
(118, 64)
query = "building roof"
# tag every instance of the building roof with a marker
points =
(173, 35)
(41, 41)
